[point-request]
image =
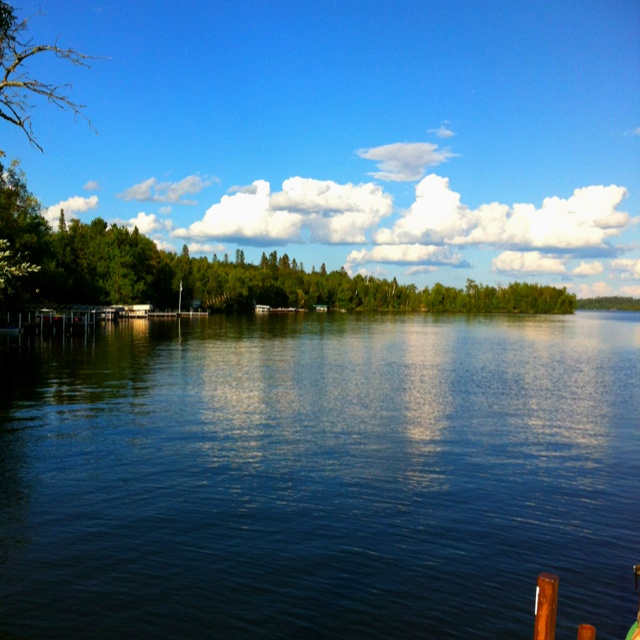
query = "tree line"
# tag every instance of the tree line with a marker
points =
(101, 264)
(609, 303)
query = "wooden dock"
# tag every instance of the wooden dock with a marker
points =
(177, 314)
(78, 319)
(50, 322)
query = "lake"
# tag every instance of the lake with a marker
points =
(320, 476)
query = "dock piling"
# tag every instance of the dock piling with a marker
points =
(546, 607)
(586, 632)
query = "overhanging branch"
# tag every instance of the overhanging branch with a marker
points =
(17, 86)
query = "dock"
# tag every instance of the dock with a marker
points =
(81, 319)
(265, 308)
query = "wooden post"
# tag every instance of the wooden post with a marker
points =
(586, 632)
(546, 607)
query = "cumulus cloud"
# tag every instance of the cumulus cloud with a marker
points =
(246, 216)
(153, 191)
(201, 248)
(332, 212)
(627, 268)
(527, 262)
(588, 269)
(415, 254)
(72, 206)
(585, 220)
(405, 161)
(632, 291)
(148, 223)
(595, 290)
(305, 209)
(92, 185)
(435, 216)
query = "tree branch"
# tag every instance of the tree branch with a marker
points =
(17, 85)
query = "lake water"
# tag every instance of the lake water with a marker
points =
(320, 476)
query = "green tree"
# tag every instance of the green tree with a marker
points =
(11, 268)
(24, 228)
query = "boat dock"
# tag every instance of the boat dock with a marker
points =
(47, 321)
(80, 319)
(265, 308)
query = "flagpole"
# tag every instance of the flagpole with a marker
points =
(180, 299)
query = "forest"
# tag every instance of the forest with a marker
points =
(100, 264)
(609, 303)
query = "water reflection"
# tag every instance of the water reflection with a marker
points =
(428, 384)
(297, 462)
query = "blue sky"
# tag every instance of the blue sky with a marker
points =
(430, 141)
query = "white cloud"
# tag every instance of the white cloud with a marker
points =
(628, 268)
(529, 262)
(405, 161)
(633, 291)
(92, 185)
(72, 206)
(588, 269)
(140, 192)
(246, 216)
(163, 244)
(334, 213)
(435, 216)
(442, 131)
(175, 190)
(325, 210)
(148, 223)
(595, 290)
(153, 191)
(421, 269)
(200, 248)
(585, 220)
(415, 254)
(604, 289)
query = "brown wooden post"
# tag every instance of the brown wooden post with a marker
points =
(586, 632)
(546, 607)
